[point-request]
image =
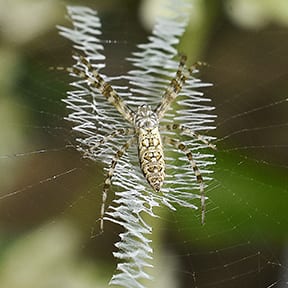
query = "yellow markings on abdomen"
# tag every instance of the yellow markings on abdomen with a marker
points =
(151, 157)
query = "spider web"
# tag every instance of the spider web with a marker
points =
(95, 119)
(244, 240)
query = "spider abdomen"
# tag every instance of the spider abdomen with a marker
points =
(151, 157)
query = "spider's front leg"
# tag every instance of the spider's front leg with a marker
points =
(173, 89)
(108, 179)
(84, 70)
(175, 85)
(105, 89)
(182, 147)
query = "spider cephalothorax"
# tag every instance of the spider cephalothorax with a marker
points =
(145, 128)
(145, 118)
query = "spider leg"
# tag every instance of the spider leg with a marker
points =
(107, 137)
(176, 84)
(182, 147)
(191, 133)
(95, 80)
(108, 179)
(173, 89)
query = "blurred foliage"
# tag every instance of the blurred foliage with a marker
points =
(246, 197)
(48, 257)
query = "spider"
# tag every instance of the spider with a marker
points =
(145, 129)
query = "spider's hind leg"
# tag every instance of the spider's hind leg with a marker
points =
(182, 147)
(108, 179)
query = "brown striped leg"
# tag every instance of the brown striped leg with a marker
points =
(181, 146)
(195, 66)
(95, 80)
(107, 137)
(191, 133)
(176, 84)
(106, 90)
(173, 89)
(108, 179)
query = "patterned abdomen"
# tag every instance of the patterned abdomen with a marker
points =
(151, 157)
